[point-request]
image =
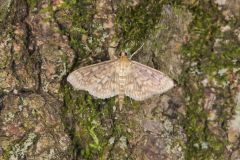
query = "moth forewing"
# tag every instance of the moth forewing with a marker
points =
(145, 82)
(97, 79)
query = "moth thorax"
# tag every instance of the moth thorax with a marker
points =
(124, 68)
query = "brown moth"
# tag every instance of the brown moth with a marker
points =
(122, 77)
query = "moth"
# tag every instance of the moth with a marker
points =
(122, 77)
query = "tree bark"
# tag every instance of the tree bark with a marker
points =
(196, 43)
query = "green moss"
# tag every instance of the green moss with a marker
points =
(4, 6)
(207, 61)
(32, 3)
(91, 130)
(134, 24)
(83, 25)
(94, 121)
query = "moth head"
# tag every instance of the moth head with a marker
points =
(123, 57)
(123, 54)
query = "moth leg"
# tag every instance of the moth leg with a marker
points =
(131, 100)
(120, 101)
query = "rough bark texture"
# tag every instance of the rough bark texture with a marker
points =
(194, 42)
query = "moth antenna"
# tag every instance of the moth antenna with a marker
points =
(136, 51)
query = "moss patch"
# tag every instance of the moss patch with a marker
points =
(93, 122)
(206, 60)
(134, 24)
